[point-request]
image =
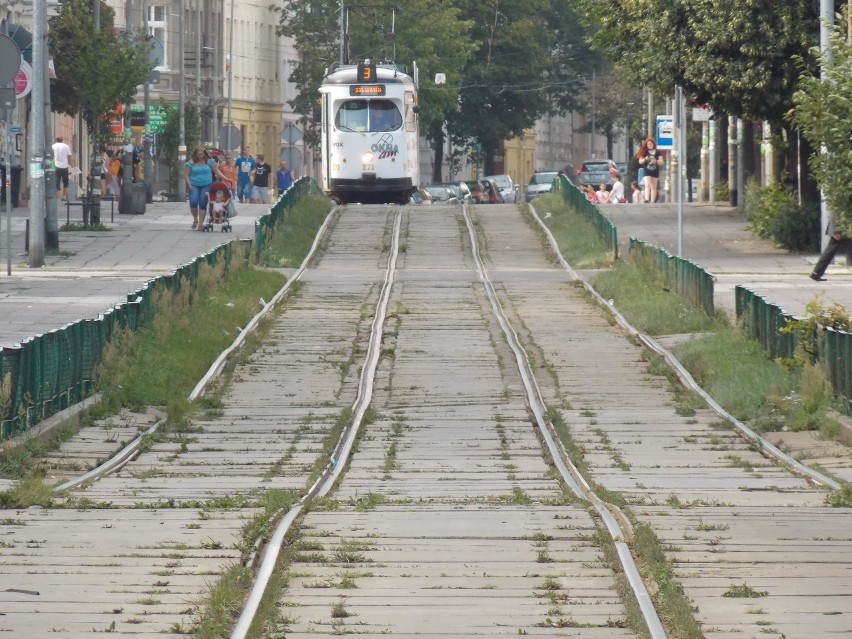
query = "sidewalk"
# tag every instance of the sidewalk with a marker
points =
(717, 238)
(96, 269)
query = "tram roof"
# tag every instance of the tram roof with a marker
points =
(386, 74)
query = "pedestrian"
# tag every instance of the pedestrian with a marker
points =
(602, 195)
(284, 178)
(260, 190)
(228, 172)
(106, 160)
(199, 177)
(63, 159)
(636, 193)
(836, 241)
(616, 195)
(651, 161)
(246, 165)
(590, 193)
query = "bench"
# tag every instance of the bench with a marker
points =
(104, 198)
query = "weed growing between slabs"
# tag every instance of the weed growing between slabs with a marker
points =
(731, 368)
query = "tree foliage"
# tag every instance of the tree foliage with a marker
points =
(506, 63)
(169, 139)
(736, 55)
(95, 70)
(823, 112)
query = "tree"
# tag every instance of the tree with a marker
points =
(823, 112)
(530, 61)
(428, 32)
(95, 70)
(736, 55)
(170, 138)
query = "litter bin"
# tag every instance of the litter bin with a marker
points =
(16, 184)
(137, 199)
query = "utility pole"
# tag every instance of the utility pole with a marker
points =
(51, 221)
(181, 181)
(714, 161)
(733, 143)
(9, 64)
(198, 51)
(148, 166)
(826, 21)
(230, 122)
(37, 186)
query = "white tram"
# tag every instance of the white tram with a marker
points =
(369, 133)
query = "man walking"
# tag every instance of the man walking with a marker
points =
(836, 241)
(246, 165)
(284, 177)
(260, 190)
(63, 159)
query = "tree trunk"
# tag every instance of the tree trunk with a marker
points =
(436, 131)
(722, 146)
(808, 186)
(749, 159)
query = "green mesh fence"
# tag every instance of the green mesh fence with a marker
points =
(576, 199)
(762, 321)
(50, 372)
(265, 225)
(681, 276)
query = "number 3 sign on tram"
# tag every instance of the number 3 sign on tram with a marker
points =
(366, 72)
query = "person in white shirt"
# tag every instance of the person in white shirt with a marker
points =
(616, 196)
(63, 160)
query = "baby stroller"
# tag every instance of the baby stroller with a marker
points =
(229, 210)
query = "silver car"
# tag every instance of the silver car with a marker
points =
(541, 182)
(508, 189)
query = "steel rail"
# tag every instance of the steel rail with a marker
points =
(686, 378)
(571, 476)
(126, 454)
(339, 458)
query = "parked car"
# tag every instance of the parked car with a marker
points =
(492, 191)
(441, 194)
(508, 188)
(420, 196)
(477, 192)
(596, 172)
(459, 189)
(540, 182)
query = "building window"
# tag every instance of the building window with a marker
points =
(158, 18)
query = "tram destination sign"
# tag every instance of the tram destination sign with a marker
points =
(367, 89)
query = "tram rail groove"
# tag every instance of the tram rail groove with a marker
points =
(686, 378)
(335, 466)
(131, 451)
(569, 473)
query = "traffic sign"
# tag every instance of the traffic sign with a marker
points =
(157, 115)
(10, 59)
(24, 80)
(665, 131)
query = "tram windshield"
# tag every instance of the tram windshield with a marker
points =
(368, 116)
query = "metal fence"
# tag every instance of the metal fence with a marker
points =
(763, 321)
(676, 274)
(265, 225)
(576, 199)
(52, 371)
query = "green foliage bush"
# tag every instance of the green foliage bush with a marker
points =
(773, 213)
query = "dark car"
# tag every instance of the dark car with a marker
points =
(477, 192)
(541, 182)
(459, 189)
(441, 194)
(596, 172)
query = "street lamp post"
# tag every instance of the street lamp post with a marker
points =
(37, 184)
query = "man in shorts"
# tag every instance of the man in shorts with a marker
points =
(63, 160)
(260, 190)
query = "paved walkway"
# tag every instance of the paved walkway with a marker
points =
(717, 238)
(95, 270)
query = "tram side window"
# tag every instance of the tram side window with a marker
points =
(368, 115)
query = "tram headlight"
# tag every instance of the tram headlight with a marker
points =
(367, 158)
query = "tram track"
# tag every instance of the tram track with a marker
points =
(448, 503)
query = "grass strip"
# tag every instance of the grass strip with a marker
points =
(579, 241)
(291, 237)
